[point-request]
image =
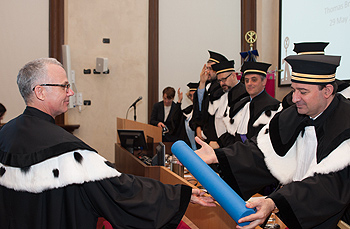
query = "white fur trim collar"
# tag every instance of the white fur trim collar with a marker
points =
(240, 119)
(284, 168)
(218, 107)
(264, 119)
(58, 172)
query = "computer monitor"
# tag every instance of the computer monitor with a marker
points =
(132, 139)
(159, 157)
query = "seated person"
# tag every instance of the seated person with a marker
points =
(162, 112)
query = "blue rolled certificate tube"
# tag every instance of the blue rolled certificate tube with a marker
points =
(230, 201)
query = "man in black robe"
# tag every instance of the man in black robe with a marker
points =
(315, 48)
(208, 91)
(234, 91)
(304, 147)
(343, 89)
(51, 179)
(249, 115)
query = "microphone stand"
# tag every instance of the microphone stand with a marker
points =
(133, 105)
(134, 112)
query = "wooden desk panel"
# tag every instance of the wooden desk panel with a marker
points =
(202, 217)
(125, 162)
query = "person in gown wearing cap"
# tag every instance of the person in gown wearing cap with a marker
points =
(181, 118)
(343, 89)
(249, 115)
(315, 48)
(305, 148)
(209, 90)
(234, 91)
(51, 179)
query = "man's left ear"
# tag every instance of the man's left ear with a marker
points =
(39, 93)
(328, 90)
(264, 81)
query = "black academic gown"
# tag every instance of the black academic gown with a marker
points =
(218, 107)
(51, 179)
(260, 110)
(318, 200)
(202, 118)
(179, 121)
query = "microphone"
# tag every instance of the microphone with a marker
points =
(138, 99)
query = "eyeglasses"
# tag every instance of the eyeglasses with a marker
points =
(224, 79)
(66, 86)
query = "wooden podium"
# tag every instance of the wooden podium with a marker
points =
(150, 131)
(125, 162)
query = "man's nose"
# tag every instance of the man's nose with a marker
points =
(295, 97)
(70, 92)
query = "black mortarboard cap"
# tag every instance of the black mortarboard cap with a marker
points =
(224, 66)
(250, 67)
(313, 69)
(216, 57)
(310, 48)
(193, 86)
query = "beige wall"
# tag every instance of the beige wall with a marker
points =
(24, 36)
(268, 38)
(184, 41)
(125, 22)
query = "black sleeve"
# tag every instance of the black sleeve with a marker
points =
(315, 202)
(154, 115)
(199, 116)
(137, 202)
(176, 119)
(243, 167)
(195, 114)
(226, 139)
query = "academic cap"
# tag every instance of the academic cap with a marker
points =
(310, 48)
(216, 57)
(313, 69)
(225, 66)
(250, 67)
(193, 86)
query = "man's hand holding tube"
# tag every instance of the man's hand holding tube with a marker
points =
(263, 206)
